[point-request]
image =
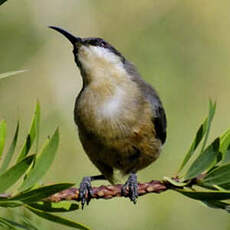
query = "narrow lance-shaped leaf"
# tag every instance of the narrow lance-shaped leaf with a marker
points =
(28, 222)
(2, 136)
(202, 131)
(11, 151)
(11, 176)
(225, 186)
(175, 182)
(64, 206)
(210, 195)
(8, 74)
(42, 163)
(212, 110)
(37, 128)
(204, 160)
(199, 136)
(2, 1)
(224, 141)
(218, 176)
(10, 204)
(33, 134)
(12, 224)
(41, 193)
(57, 219)
(225, 146)
(217, 204)
(5, 225)
(226, 158)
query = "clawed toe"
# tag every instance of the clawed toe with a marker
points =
(130, 188)
(85, 191)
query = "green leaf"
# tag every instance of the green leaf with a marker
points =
(217, 204)
(58, 219)
(225, 186)
(204, 160)
(27, 222)
(10, 204)
(218, 176)
(224, 141)
(10, 152)
(37, 126)
(2, 136)
(225, 146)
(8, 74)
(226, 158)
(64, 206)
(11, 176)
(1, 2)
(41, 193)
(202, 131)
(13, 225)
(174, 182)
(42, 163)
(199, 136)
(33, 134)
(210, 195)
(212, 110)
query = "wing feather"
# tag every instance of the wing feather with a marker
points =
(158, 113)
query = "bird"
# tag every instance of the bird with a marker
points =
(120, 117)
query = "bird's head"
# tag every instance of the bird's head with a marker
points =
(93, 54)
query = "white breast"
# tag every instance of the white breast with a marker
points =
(112, 106)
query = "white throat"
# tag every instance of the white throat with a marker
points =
(100, 63)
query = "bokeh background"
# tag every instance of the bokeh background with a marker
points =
(181, 47)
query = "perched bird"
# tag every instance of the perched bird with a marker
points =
(120, 118)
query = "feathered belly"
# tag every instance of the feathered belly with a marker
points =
(119, 156)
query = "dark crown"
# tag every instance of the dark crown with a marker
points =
(101, 43)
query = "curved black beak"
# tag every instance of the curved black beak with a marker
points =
(69, 36)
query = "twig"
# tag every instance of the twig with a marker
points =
(3, 195)
(110, 191)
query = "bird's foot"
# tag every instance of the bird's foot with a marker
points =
(85, 191)
(130, 188)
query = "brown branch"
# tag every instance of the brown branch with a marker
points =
(111, 191)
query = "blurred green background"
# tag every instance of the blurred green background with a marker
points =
(181, 47)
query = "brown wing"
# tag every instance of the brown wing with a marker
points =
(158, 113)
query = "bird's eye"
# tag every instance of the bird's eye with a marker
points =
(103, 44)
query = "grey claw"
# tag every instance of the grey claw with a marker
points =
(85, 191)
(132, 187)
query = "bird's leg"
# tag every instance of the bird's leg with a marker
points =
(86, 191)
(130, 188)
